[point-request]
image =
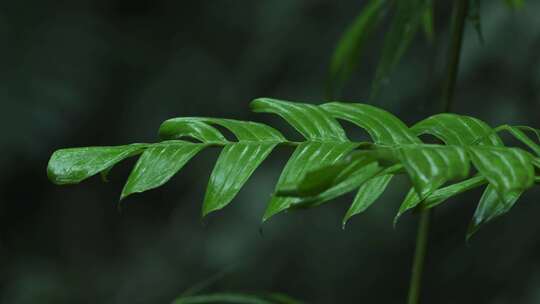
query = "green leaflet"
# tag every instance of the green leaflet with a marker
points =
(350, 46)
(158, 164)
(490, 207)
(237, 161)
(368, 193)
(73, 165)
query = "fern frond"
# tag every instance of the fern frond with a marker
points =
(326, 164)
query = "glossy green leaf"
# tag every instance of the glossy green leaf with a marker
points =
(73, 165)
(350, 46)
(158, 164)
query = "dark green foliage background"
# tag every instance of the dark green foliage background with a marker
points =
(109, 72)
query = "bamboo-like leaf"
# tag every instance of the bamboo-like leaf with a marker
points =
(351, 44)
(73, 165)
(158, 164)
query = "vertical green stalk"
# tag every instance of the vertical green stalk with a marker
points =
(459, 15)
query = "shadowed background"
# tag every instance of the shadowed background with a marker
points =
(109, 72)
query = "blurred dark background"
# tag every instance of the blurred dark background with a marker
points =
(107, 72)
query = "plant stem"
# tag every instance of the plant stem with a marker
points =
(419, 256)
(459, 14)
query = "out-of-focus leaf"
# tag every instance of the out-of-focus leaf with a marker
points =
(514, 4)
(427, 20)
(351, 44)
(73, 165)
(383, 127)
(475, 19)
(237, 298)
(406, 21)
(158, 164)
